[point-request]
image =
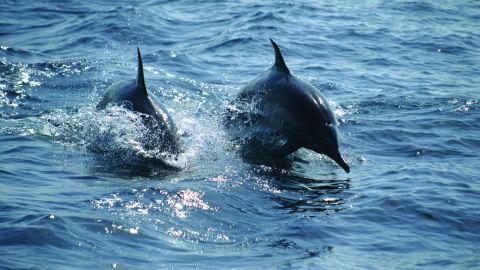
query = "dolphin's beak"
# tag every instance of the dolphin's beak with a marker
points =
(335, 155)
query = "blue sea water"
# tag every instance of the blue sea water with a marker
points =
(402, 76)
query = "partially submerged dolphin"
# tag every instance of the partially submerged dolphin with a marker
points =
(133, 94)
(278, 113)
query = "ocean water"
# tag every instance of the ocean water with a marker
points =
(402, 76)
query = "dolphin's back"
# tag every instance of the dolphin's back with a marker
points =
(119, 94)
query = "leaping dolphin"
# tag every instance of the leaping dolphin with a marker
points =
(133, 95)
(279, 113)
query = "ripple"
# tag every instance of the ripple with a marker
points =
(80, 190)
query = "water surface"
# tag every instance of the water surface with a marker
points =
(402, 76)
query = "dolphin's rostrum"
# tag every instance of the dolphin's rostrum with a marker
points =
(278, 113)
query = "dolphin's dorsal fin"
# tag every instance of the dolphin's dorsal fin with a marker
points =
(140, 77)
(279, 63)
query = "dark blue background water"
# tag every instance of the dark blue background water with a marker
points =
(403, 78)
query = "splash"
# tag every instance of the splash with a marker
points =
(14, 77)
(341, 111)
(115, 132)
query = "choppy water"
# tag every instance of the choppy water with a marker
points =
(403, 77)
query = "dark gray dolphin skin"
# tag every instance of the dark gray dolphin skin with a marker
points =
(133, 95)
(285, 113)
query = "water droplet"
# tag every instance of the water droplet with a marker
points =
(133, 230)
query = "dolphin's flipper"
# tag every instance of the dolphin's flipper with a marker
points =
(286, 149)
(140, 77)
(279, 62)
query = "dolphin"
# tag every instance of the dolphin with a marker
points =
(278, 113)
(133, 94)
